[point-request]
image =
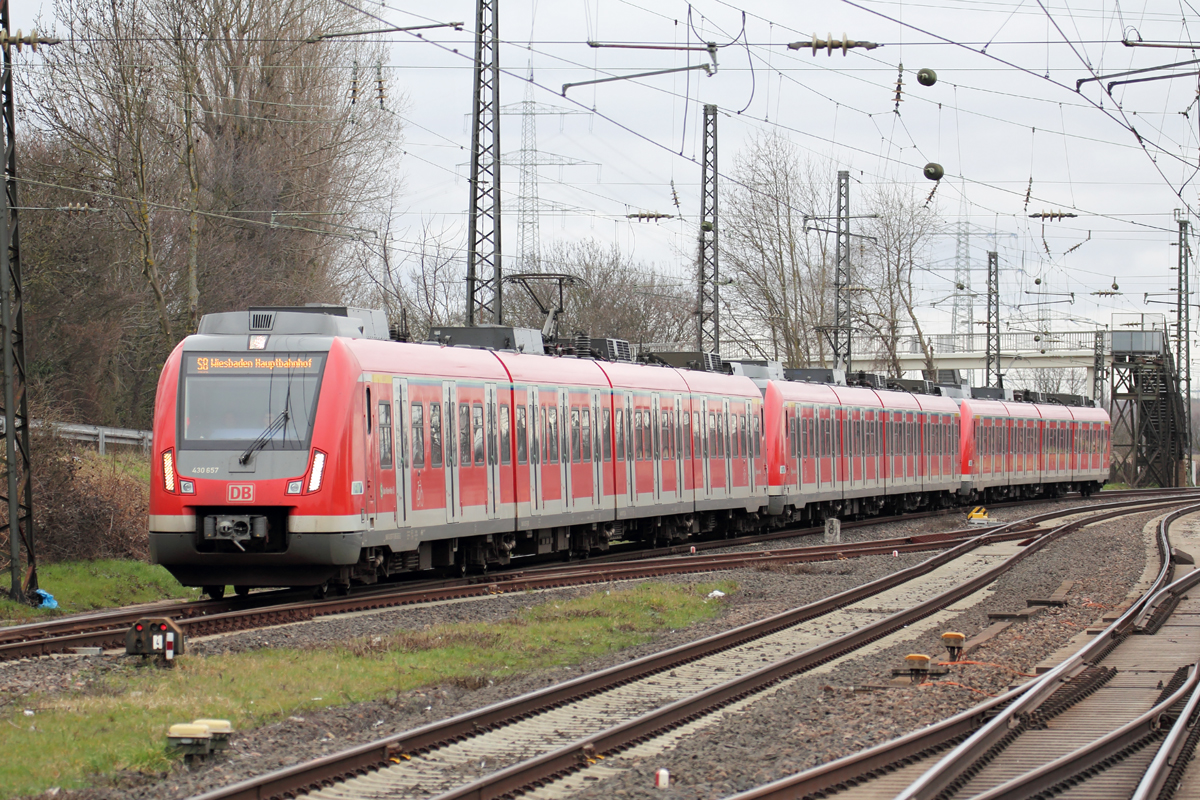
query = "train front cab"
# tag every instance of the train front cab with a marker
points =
(230, 472)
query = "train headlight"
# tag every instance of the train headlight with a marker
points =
(318, 471)
(187, 487)
(168, 458)
(294, 487)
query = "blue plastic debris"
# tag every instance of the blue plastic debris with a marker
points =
(46, 599)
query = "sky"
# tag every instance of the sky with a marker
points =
(1004, 120)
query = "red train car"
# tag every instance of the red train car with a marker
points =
(303, 447)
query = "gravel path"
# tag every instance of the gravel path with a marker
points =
(810, 721)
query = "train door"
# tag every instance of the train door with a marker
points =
(658, 443)
(400, 445)
(856, 441)
(725, 433)
(493, 449)
(597, 459)
(450, 448)
(371, 473)
(748, 440)
(630, 462)
(536, 501)
(703, 424)
(680, 448)
(564, 464)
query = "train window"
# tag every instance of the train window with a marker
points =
(491, 435)
(596, 435)
(585, 434)
(575, 434)
(435, 434)
(639, 450)
(606, 435)
(552, 434)
(742, 432)
(649, 433)
(685, 434)
(505, 435)
(620, 434)
(522, 433)
(464, 434)
(477, 434)
(368, 411)
(665, 420)
(385, 434)
(534, 447)
(418, 436)
(734, 450)
(401, 440)
(711, 450)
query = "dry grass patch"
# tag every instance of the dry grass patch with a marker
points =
(76, 739)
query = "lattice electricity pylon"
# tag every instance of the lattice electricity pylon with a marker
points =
(708, 274)
(1183, 339)
(484, 272)
(529, 207)
(992, 375)
(18, 487)
(840, 335)
(962, 319)
(1098, 370)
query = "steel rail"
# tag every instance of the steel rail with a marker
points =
(1171, 758)
(572, 756)
(111, 620)
(1074, 763)
(109, 630)
(375, 755)
(946, 771)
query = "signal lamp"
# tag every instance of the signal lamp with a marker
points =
(318, 471)
(168, 461)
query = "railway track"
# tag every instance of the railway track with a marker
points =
(554, 732)
(107, 629)
(1116, 719)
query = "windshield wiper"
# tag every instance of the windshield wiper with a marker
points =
(276, 425)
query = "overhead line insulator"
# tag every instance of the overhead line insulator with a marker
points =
(830, 44)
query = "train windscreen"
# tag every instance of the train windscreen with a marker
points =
(231, 400)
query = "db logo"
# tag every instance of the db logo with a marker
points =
(241, 492)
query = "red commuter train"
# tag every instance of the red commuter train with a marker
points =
(302, 447)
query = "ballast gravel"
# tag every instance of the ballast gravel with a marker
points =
(807, 722)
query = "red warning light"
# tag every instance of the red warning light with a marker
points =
(162, 627)
(138, 626)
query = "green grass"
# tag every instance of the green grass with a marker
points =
(90, 585)
(1108, 487)
(76, 738)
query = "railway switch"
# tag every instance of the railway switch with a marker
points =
(954, 643)
(155, 636)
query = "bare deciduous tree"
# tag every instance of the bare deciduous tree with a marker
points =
(781, 273)
(885, 297)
